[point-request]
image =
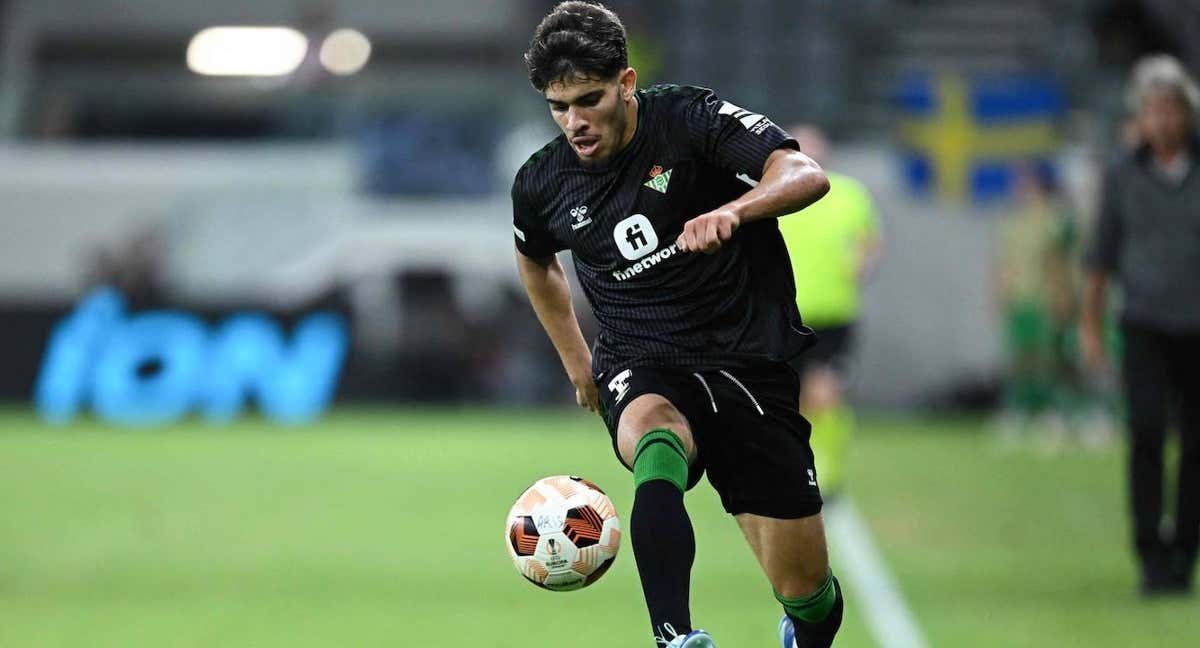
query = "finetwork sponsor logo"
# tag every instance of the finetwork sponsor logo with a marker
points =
(635, 237)
(646, 263)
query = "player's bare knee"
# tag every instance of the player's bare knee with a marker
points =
(627, 441)
(803, 582)
(651, 412)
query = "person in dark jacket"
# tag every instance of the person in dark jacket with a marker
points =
(1147, 240)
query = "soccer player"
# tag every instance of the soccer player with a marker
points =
(667, 199)
(834, 246)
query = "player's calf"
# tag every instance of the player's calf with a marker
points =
(664, 545)
(796, 561)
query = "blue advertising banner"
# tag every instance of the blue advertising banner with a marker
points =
(154, 367)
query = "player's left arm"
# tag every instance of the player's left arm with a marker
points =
(790, 182)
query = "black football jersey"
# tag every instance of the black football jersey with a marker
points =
(657, 305)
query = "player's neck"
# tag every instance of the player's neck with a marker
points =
(631, 123)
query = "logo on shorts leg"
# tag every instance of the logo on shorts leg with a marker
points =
(812, 477)
(619, 385)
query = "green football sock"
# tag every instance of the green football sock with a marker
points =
(664, 544)
(815, 607)
(660, 455)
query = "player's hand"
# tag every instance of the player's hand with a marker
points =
(586, 394)
(708, 232)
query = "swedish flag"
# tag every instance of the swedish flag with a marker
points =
(966, 139)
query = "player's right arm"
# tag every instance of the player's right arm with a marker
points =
(751, 147)
(546, 284)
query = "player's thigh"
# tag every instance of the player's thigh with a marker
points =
(756, 450)
(649, 412)
(792, 552)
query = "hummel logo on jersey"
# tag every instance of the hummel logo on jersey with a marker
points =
(812, 477)
(579, 217)
(619, 385)
(659, 179)
(754, 122)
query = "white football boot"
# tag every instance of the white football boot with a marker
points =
(787, 633)
(693, 639)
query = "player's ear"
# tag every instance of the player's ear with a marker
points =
(628, 81)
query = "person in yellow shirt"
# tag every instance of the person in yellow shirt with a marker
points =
(833, 245)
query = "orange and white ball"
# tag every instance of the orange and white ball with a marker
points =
(563, 533)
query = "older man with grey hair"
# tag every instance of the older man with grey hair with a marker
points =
(1147, 239)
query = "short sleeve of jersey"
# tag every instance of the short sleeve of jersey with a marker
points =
(731, 137)
(530, 234)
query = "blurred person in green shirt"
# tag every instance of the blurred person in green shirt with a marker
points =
(1036, 291)
(833, 246)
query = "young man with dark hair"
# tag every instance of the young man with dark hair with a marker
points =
(667, 198)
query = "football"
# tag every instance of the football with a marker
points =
(563, 533)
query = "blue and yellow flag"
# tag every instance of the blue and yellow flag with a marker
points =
(967, 138)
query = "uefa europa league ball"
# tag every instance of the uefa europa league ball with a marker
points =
(563, 533)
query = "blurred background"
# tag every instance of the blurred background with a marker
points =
(260, 319)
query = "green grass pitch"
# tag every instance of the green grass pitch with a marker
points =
(384, 528)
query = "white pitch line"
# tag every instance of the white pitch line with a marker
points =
(871, 585)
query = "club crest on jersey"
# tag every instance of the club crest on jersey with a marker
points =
(579, 217)
(659, 179)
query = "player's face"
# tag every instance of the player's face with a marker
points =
(1164, 120)
(594, 114)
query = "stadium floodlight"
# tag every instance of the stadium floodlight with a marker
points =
(345, 52)
(246, 51)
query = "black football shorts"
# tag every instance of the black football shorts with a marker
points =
(749, 434)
